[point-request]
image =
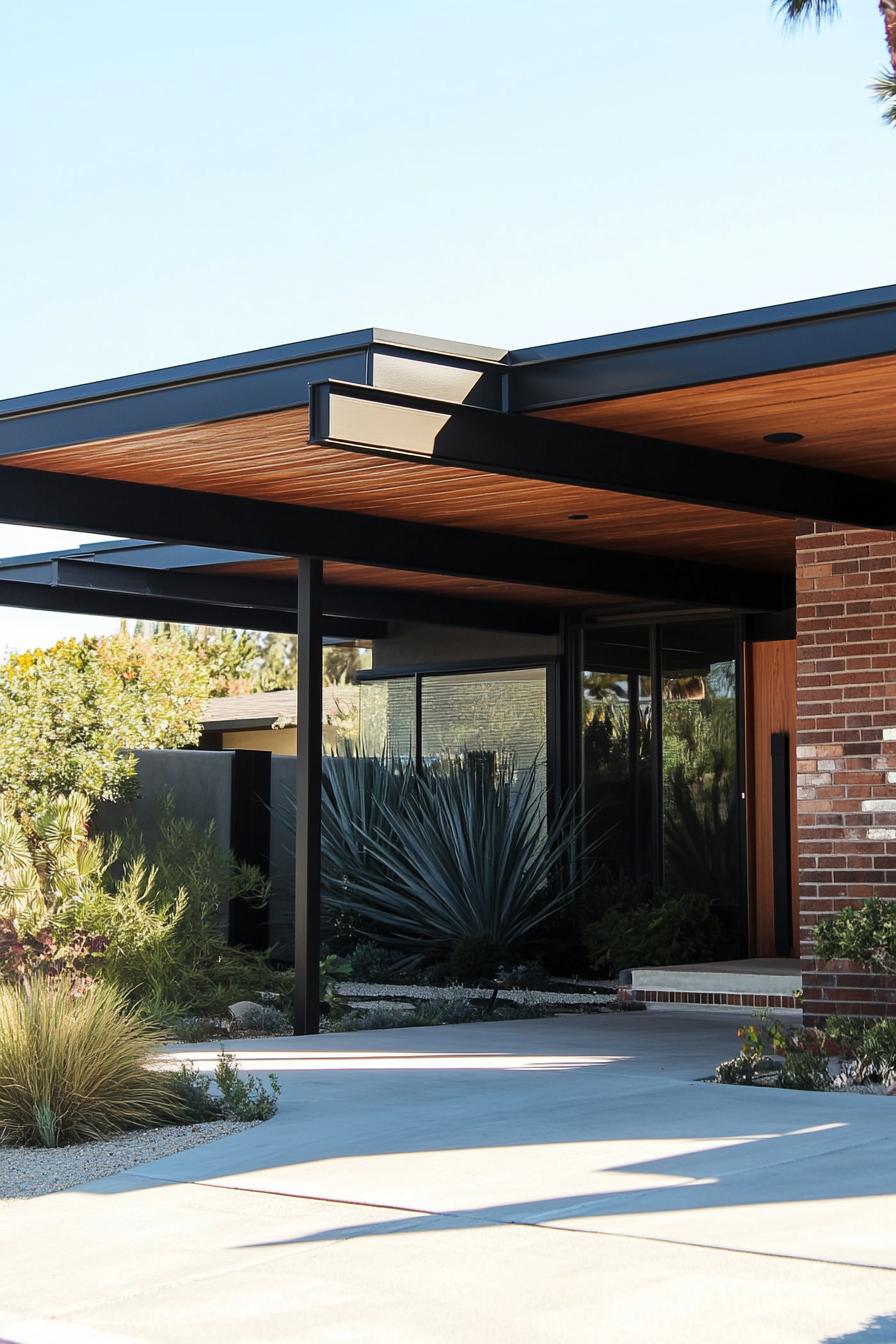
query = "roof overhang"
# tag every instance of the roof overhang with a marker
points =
(535, 476)
(780, 338)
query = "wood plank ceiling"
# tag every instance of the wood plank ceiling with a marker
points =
(415, 581)
(268, 457)
(844, 412)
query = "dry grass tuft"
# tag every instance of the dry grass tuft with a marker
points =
(74, 1069)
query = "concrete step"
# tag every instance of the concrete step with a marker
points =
(755, 982)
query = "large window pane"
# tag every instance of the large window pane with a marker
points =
(386, 718)
(483, 715)
(616, 746)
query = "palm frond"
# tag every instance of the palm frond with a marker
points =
(794, 12)
(883, 88)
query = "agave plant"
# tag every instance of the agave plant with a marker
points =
(425, 858)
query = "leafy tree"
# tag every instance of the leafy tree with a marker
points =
(231, 658)
(884, 85)
(239, 662)
(69, 713)
(341, 662)
(278, 662)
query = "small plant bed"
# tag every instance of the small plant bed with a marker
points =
(84, 1091)
(847, 1054)
(381, 1006)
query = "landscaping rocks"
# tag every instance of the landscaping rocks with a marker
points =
(545, 998)
(26, 1172)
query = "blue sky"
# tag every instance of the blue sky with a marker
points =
(185, 178)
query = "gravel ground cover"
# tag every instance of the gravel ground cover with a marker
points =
(353, 989)
(26, 1172)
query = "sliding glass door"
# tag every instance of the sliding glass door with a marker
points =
(661, 745)
(701, 812)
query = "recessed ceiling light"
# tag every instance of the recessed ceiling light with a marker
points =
(577, 517)
(784, 437)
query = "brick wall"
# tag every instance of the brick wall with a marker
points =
(846, 748)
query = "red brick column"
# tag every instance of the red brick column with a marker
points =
(846, 748)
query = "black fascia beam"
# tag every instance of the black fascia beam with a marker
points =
(37, 595)
(161, 513)
(436, 608)
(107, 411)
(782, 338)
(159, 555)
(372, 606)
(92, 602)
(410, 428)
(252, 383)
(234, 591)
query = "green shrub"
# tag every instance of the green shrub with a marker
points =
(740, 1070)
(191, 1029)
(802, 1063)
(75, 1067)
(70, 903)
(525, 975)
(868, 1045)
(865, 933)
(666, 931)
(611, 891)
(382, 1018)
(332, 969)
(193, 883)
(243, 1099)
(454, 1007)
(191, 1096)
(374, 965)
(262, 1019)
(804, 1070)
(474, 959)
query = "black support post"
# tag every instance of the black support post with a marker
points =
(656, 754)
(780, 747)
(308, 783)
(569, 752)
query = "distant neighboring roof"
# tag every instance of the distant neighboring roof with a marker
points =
(262, 709)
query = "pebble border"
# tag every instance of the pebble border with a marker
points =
(354, 989)
(26, 1172)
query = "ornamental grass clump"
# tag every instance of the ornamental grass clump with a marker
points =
(76, 1067)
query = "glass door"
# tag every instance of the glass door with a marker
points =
(617, 752)
(701, 807)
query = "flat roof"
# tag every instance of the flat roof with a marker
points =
(675, 463)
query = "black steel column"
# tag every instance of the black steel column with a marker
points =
(569, 748)
(634, 769)
(781, 870)
(656, 754)
(308, 781)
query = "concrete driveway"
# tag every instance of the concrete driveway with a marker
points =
(557, 1180)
